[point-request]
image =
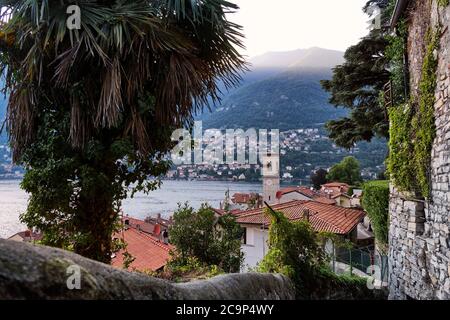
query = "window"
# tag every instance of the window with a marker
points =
(249, 237)
(244, 236)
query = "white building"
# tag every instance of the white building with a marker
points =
(323, 218)
(254, 246)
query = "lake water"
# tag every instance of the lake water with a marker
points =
(13, 200)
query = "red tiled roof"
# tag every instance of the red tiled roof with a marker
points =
(303, 190)
(335, 185)
(241, 198)
(149, 253)
(244, 198)
(325, 200)
(307, 192)
(222, 212)
(323, 217)
(140, 225)
(28, 235)
(335, 188)
(340, 194)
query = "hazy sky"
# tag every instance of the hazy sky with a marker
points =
(281, 25)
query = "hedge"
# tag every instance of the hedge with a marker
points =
(376, 203)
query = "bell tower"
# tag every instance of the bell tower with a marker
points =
(271, 177)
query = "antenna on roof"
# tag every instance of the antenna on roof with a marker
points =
(270, 208)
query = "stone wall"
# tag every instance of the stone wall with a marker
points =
(38, 272)
(419, 254)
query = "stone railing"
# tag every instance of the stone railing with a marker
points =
(38, 272)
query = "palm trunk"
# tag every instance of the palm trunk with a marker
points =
(97, 213)
(97, 243)
(97, 229)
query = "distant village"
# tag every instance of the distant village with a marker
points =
(300, 141)
(304, 141)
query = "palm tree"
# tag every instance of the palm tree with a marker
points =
(91, 109)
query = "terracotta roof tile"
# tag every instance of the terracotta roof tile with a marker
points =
(335, 185)
(325, 200)
(234, 212)
(323, 217)
(140, 225)
(303, 190)
(340, 194)
(150, 253)
(241, 198)
(307, 192)
(28, 235)
(220, 212)
(244, 198)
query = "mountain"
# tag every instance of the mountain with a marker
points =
(281, 92)
(312, 57)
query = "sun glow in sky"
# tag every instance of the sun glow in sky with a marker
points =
(283, 25)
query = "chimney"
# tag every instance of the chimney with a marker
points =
(306, 214)
(157, 230)
(165, 235)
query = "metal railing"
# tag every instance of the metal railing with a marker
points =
(359, 261)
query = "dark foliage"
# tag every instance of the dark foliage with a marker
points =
(206, 238)
(347, 171)
(356, 85)
(319, 178)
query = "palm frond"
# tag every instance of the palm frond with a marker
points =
(173, 50)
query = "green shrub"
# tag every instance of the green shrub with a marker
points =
(376, 203)
(295, 250)
(201, 235)
(184, 271)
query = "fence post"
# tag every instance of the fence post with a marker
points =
(351, 264)
(334, 257)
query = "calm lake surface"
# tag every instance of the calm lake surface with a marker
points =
(13, 200)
